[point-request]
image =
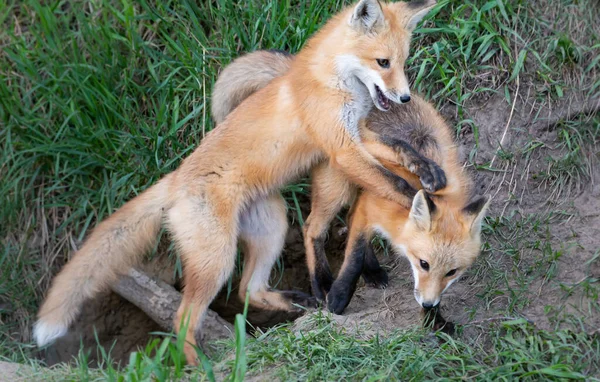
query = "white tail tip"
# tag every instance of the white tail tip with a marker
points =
(45, 333)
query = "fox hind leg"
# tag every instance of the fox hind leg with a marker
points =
(263, 227)
(207, 247)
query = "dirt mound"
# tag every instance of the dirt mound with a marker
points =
(120, 328)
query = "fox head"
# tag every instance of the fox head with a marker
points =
(441, 241)
(378, 46)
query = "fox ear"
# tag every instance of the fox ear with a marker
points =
(414, 11)
(475, 212)
(367, 15)
(421, 211)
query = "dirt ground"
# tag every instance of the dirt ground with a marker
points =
(548, 283)
(13, 372)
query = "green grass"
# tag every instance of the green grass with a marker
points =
(521, 264)
(524, 254)
(573, 166)
(513, 350)
(99, 99)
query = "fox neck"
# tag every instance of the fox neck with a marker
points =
(357, 105)
(340, 81)
(327, 61)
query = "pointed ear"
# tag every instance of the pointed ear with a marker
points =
(414, 11)
(367, 15)
(475, 212)
(421, 211)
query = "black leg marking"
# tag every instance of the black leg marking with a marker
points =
(416, 4)
(400, 183)
(322, 279)
(373, 274)
(345, 284)
(431, 175)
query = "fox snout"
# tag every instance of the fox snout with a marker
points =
(428, 302)
(399, 96)
(429, 305)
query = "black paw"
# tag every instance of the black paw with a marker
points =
(299, 298)
(338, 298)
(319, 295)
(376, 278)
(320, 286)
(432, 176)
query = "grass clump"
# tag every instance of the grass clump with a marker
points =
(578, 151)
(511, 350)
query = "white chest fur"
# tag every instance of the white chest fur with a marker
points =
(359, 102)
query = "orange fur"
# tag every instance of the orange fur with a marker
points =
(220, 192)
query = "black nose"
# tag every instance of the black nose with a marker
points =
(405, 98)
(428, 305)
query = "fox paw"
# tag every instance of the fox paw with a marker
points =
(338, 299)
(376, 279)
(321, 286)
(432, 177)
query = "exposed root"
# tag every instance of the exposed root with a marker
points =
(160, 301)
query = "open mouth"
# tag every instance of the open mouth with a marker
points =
(382, 101)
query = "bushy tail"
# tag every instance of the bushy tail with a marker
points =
(114, 246)
(244, 76)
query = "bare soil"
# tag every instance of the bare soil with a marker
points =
(14, 372)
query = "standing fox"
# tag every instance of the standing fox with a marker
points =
(227, 188)
(439, 234)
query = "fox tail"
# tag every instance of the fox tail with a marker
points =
(114, 246)
(244, 76)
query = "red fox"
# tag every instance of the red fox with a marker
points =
(227, 188)
(440, 233)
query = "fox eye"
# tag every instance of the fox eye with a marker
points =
(424, 265)
(383, 62)
(451, 273)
